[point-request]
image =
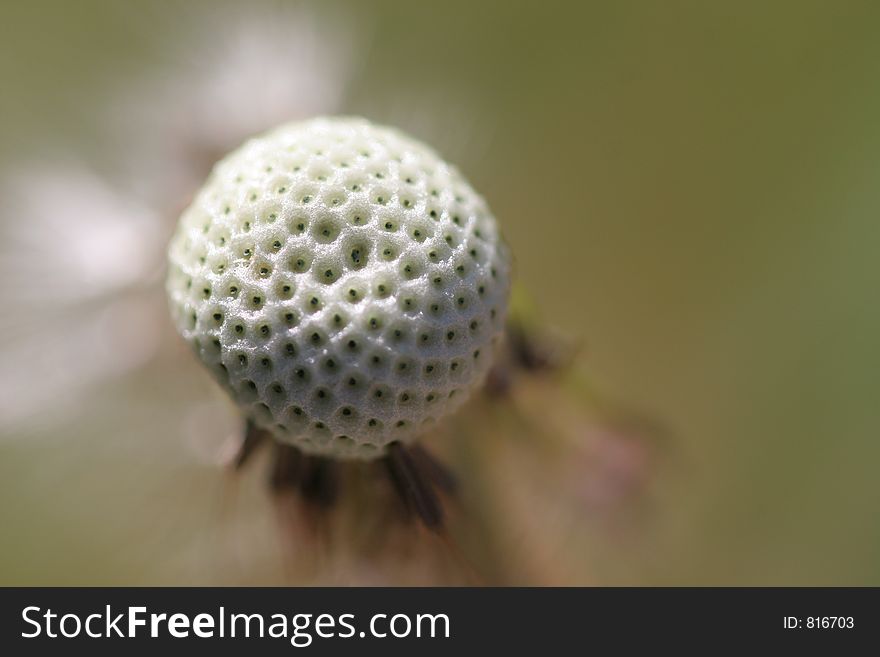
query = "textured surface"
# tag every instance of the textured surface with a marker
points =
(343, 282)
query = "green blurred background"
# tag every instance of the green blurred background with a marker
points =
(689, 188)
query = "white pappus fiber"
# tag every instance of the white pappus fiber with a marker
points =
(343, 282)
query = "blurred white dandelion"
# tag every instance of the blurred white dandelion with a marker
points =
(82, 253)
(227, 75)
(79, 256)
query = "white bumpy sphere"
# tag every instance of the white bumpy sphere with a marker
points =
(343, 282)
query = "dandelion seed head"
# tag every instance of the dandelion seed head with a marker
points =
(345, 284)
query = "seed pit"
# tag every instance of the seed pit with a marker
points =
(411, 268)
(357, 253)
(297, 225)
(284, 289)
(299, 261)
(420, 232)
(357, 217)
(339, 320)
(388, 252)
(326, 230)
(384, 289)
(263, 269)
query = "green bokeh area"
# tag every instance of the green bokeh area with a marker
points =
(691, 188)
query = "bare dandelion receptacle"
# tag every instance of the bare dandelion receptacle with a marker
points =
(344, 283)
